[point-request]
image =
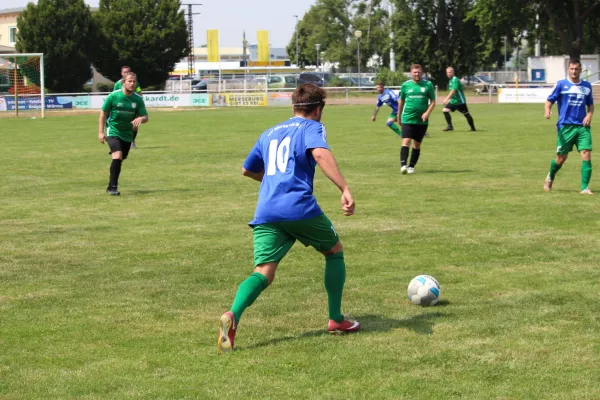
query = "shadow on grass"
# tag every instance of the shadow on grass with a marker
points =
(142, 147)
(421, 324)
(153, 191)
(447, 171)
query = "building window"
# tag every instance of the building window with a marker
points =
(12, 35)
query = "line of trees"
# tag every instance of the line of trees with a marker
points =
(148, 35)
(467, 34)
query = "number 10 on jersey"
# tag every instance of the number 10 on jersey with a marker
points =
(279, 153)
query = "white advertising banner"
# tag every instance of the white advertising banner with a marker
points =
(161, 100)
(525, 95)
(280, 99)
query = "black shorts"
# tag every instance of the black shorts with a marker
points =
(462, 108)
(118, 144)
(415, 132)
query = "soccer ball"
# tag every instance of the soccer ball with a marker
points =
(424, 290)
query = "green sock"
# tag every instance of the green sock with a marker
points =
(335, 277)
(248, 291)
(554, 167)
(586, 174)
(395, 128)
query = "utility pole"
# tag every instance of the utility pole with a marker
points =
(505, 70)
(190, 24)
(392, 54)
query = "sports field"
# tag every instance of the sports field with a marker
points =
(118, 297)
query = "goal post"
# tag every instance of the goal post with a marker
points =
(22, 84)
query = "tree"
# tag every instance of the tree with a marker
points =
(574, 23)
(332, 24)
(150, 36)
(327, 23)
(373, 21)
(436, 34)
(63, 30)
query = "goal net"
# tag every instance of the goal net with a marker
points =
(21, 83)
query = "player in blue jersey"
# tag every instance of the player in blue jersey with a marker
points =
(387, 96)
(573, 96)
(284, 160)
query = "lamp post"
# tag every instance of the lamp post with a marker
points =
(323, 66)
(297, 48)
(392, 54)
(318, 46)
(358, 35)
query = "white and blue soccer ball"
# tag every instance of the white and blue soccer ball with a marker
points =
(424, 290)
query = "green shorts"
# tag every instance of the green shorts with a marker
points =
(273, 240)
(393, 116)
(573, 135)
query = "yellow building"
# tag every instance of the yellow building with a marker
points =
(8, 29)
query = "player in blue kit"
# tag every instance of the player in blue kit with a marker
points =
(387, 96)
(284, 160)
(573, 96)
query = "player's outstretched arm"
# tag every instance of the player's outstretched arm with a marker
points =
(329, 166)
(101, 124)
(587, 121)
(374, 117)
(139, 120)
(548, 109)
(257, 176)
(449, 97)
(400, 110)
(425, 116)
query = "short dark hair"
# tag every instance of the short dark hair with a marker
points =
(574, 61)
(125, 66)
(308, 97)
(379, 83)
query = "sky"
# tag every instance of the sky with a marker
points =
(232, 17)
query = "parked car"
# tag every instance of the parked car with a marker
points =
(318, 78)
(364, 82)
(485, 84)
(259, 83)
(354, 81)
(281, 81)
(200, 86)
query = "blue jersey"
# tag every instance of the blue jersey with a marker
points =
(390, 98)
(282, 152)
(573, 99)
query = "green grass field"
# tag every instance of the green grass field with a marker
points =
(118, 297)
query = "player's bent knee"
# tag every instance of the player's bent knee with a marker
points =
(268, 270)
(446, 110)
(390, 123)
(338, 248)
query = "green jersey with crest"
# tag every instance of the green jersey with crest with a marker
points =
(458, 97)
(119, 86)
(122, 109)
(416, 97)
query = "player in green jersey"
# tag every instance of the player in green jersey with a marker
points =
(455, 100)
(417, 100)
(125, 111)
(125, 69)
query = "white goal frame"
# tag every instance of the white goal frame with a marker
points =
(42, 83)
